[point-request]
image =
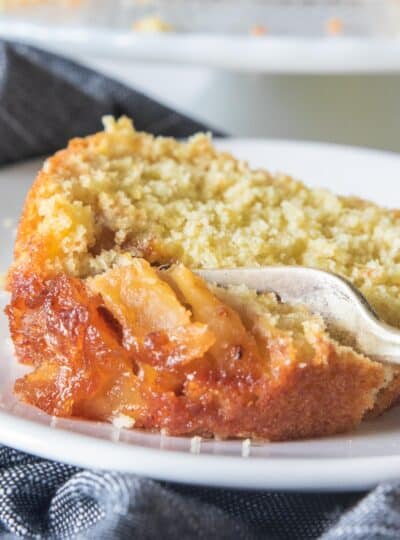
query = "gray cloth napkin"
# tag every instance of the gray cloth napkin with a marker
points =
(44, 101)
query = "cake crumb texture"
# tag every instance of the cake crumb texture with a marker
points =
(124, 191)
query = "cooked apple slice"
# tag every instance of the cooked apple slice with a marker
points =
(234, 347)
(155, 324)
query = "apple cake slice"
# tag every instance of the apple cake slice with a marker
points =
(116, 326)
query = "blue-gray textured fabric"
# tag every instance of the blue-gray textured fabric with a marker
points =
(44, 101)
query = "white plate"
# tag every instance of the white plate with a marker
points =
(345, 462)
(238, 53)
(217, 34)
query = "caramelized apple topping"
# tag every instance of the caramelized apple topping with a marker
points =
(58, 327)
(161, 349)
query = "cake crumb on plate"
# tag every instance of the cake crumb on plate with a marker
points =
(151, 25)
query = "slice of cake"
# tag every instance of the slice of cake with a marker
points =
(112, 335)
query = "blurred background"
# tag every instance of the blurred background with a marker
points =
(322, 70)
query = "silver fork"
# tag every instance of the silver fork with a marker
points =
(345, 310)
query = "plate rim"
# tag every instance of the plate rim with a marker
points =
(306, 143)
(211, 470)
(245, 53)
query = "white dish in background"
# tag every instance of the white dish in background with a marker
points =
(352, 461)
(217, 33)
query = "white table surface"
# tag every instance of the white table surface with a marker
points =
(362, 110)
